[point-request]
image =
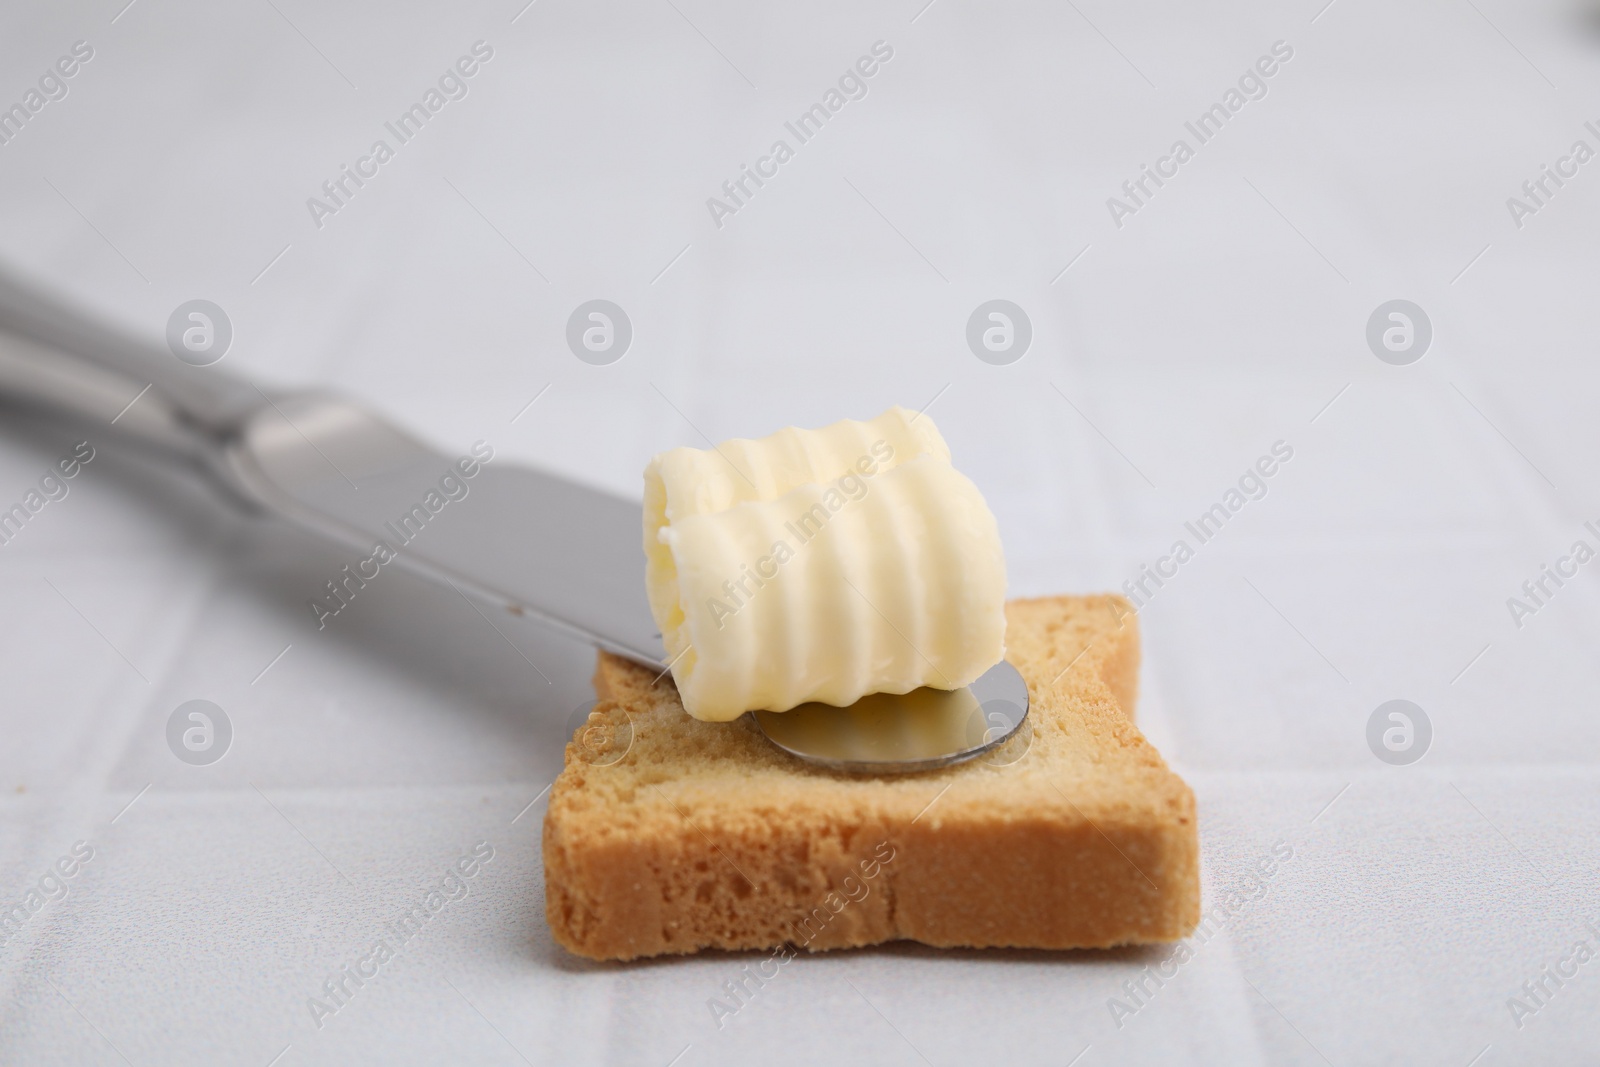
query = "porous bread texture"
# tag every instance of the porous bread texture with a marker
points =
(707, 836)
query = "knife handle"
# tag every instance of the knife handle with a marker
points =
(56, 358)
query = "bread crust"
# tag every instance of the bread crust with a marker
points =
(706, 836)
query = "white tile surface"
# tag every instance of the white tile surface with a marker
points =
(1225, 315)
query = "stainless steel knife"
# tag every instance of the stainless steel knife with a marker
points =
(564, 554)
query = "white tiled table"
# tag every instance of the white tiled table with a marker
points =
(1224, 316)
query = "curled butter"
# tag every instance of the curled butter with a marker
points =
(821, 565)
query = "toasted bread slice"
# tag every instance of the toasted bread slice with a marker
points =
(704, 835)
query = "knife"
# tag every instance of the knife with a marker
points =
(558, 552)
(564, 554)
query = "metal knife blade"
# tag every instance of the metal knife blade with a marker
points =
(564, 553)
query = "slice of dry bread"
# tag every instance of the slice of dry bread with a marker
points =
(704, 835)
